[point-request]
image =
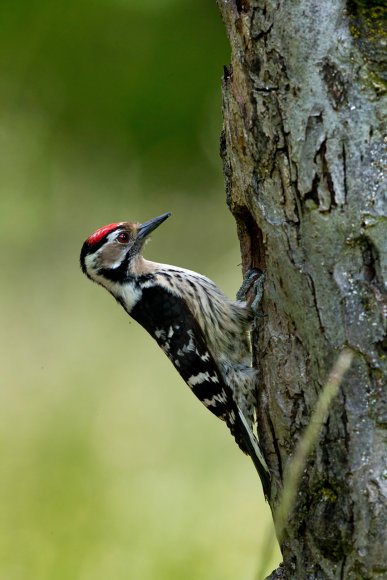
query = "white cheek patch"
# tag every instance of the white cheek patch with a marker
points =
(115, 264)
(110, 256)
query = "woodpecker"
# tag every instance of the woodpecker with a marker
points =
(204, 334)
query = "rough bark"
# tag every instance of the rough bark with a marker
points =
(303, 159)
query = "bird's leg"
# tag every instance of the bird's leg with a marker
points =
(251, 290)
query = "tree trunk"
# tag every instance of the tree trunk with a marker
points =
(303, 154)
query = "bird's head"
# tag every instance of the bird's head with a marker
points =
(107, 255)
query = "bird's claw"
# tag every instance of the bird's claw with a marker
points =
(253, 283)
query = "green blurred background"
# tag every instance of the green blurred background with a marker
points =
(110, 469)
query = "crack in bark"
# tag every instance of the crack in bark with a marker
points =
(335, 83)
(250, 238)
(297, 209)
(322, 191)
(345, 173)
(313, 193)
(314, 296)
(326, 173)
(276, 446)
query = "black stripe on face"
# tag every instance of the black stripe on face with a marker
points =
(84, 252)
(119, 274)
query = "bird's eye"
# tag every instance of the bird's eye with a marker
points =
(123, 237)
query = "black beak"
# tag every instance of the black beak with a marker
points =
(147, 227)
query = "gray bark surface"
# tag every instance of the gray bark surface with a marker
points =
(303, 151)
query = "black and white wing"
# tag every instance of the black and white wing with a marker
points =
(170, 322)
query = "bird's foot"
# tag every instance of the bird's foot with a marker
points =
(251, 290)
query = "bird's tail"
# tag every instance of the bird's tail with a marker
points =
(251, 446)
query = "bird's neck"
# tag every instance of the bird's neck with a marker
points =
(139, 266)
